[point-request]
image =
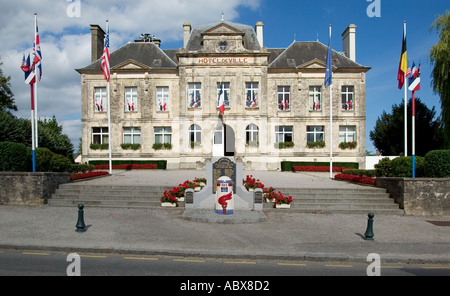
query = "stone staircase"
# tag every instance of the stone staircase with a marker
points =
(362, 200)
(115, 196)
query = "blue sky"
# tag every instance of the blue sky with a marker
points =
(65, 41)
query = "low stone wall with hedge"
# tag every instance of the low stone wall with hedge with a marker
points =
(419, 196)
(29, 189)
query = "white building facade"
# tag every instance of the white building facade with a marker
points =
(164, 103)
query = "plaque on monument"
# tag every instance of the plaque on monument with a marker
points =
(224, 167)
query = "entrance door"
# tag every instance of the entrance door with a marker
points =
(223, 141)
(219, 141)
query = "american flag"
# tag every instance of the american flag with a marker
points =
(105, 57)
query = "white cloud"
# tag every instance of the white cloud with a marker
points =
(65, 42)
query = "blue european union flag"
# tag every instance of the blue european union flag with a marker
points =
(328, 74)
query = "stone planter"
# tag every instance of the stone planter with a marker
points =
(283, 206)
(168, 204)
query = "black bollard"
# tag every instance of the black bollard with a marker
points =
(369, 231)
(81, 227)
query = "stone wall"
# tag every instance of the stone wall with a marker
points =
(29, 189)
(419, 196)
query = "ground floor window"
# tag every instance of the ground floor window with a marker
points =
(132, 135)
(347, 133)
(283, 134)
(252, 137)
(195, 135)
(100, 135)
(315, 134)
(163, 135)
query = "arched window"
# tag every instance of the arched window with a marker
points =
(252, 135)
(195, 135)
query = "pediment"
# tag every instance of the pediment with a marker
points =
(313, 64)
(130, 65)
(223, 29)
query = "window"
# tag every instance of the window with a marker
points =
(283, 98)
(131, 99)
(223, 46)
(251, 135)
(315, 102)
(251, 91)
(194, 95)
(347, 98)
(225, 87)
(195, 135)
(283, 134)
(100, 135)
(163, 135)
(132, 135)
(314, 134)
(100, 100)
(347, 134)
(162, 97)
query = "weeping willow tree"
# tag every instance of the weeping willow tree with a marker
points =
(439, 56)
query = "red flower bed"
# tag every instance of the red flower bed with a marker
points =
(131, 166)
(310, 168)
(354, 178)
(87, 175)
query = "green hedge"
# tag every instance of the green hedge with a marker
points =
(16, 157)
(287, 165)
(160, 164)
(437, 164)
(13, 157)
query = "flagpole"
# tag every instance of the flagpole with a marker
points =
(413, 135)
(406, 104)
(33, 144)
(109, 104)
(36, 84)
(331, 118)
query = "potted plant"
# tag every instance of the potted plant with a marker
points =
(251, 183)
(283, 202)
(168, 199)
(270, 194)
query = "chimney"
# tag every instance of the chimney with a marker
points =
(349, 42)
(97, 42)
(259, 32)
(186, 33)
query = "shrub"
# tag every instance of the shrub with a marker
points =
(437, 164)
(283, 145)
(357, 179)
(348, 145)
(383, 167)
(362, 173)
(43, 159)
(14, 157)
(60, 163)
(318, 144)
(130, 146)
(402, 166)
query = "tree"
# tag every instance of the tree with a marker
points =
(6, 94)
(388, 135)
(439, 55)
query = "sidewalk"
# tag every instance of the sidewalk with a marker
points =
(283, 235)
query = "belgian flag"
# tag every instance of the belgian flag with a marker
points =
(403, 66)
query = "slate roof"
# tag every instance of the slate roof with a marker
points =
(299, 53)
(147, 54)
(250, 39)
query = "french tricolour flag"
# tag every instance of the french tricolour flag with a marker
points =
(414, 80)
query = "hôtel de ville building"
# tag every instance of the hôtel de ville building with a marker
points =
(164, 103)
